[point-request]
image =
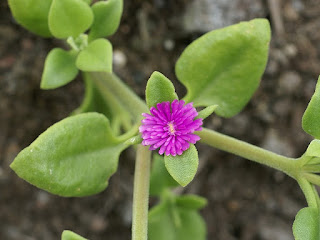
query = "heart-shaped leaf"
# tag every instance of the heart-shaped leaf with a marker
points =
(162, 224)
(68, 235)
(32, 14)
(69, 18)
(159, 89)
(306, 224)
(224, 67)
(74, 157)
(191, 201)
(96, 57)
(107, 15)
(160, 179)
(183, 168)
(59, 69)
(310, 119)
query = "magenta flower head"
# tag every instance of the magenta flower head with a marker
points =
(170, 127)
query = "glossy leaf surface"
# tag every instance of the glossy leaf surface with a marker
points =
(32, 14)
(69, 18)
(59, 69)
(69, 235)
(160, 179)
(310, 119)
(224, 66)
(107, 15)
(96, 57)
(159, 89)
(183, 168)
(306, 224)
(74, 157)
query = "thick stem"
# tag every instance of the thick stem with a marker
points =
(121, 92)
(249, 151)
(141, 194)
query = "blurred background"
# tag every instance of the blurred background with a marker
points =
(246, 201)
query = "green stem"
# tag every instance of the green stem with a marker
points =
(121, 92)
(102, 100)
(313, 168)
(313, 178)
(141, 194)
(308, 191)
(316, 194)
(249, 151)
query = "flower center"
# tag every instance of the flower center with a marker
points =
(171, 128)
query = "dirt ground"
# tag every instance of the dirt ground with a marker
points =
(246, 201)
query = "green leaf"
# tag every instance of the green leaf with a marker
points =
(310, 119)
(191, 201)
(224, 66)
(162, 224)
(183, 168)
(207, 112)
(313, 149)
(68, 235)
(107, 15)
(32, 14)
(159, 89)
(311, 158)
(87, 1)
(306, 224)
(74, 157)
(59, 69)
(69, 18)
(160, 178)
(96, 57)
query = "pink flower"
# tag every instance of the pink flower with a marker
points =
(170, 127)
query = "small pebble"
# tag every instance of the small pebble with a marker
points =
(119, 58)
(168, 44)
(98, 224)
(43, 199)
(289, 82)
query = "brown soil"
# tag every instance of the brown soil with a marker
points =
(246, 201)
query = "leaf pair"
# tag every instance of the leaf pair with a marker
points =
(177, 218)
(65, 18)
(61, 66)
(74, 157)
(184, 167)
